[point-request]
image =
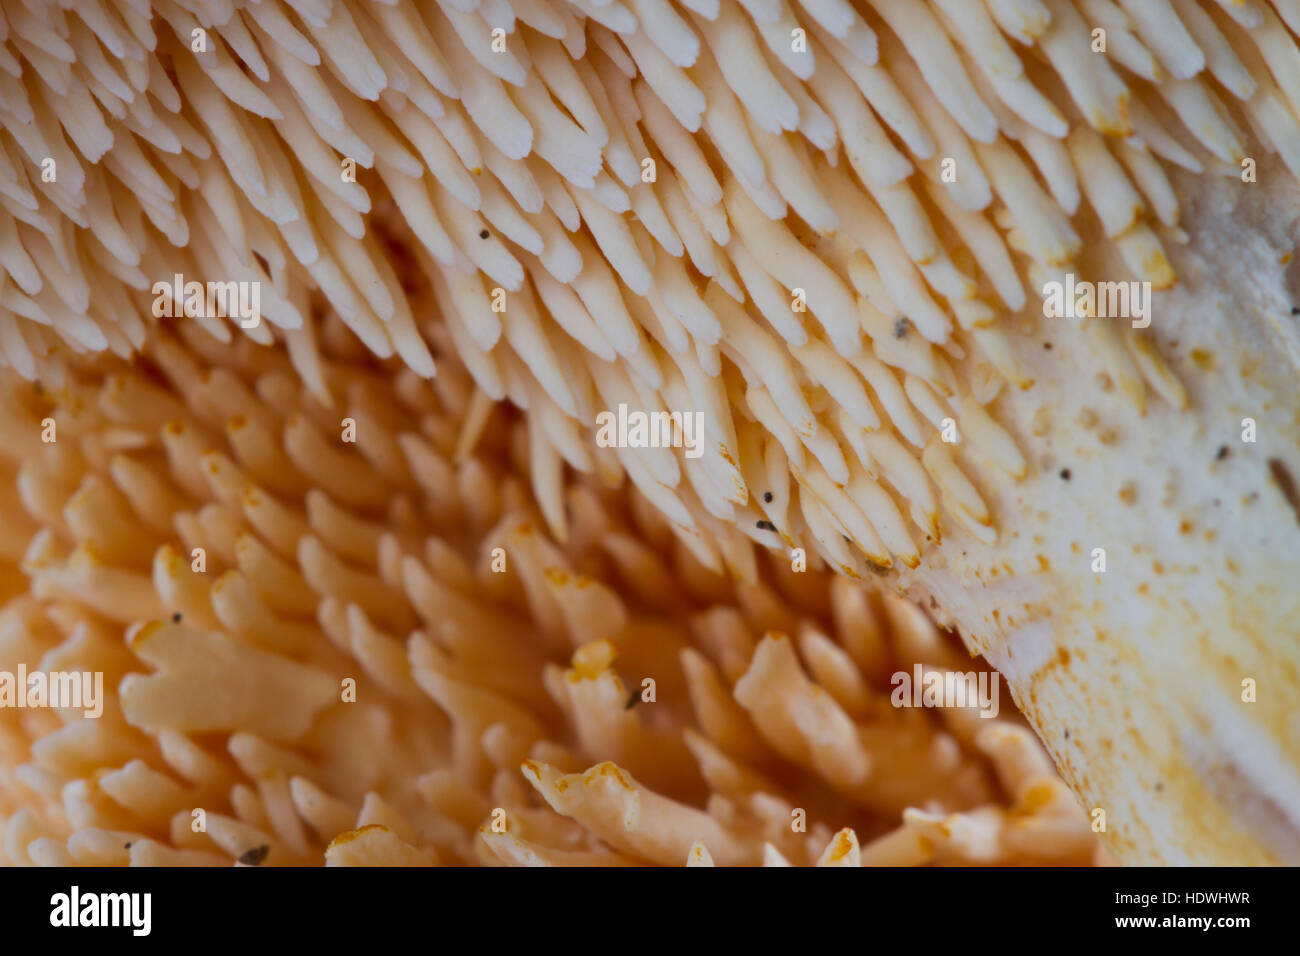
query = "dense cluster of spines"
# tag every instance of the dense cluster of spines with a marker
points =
(475, 671)
(572, 205)
(904, 165)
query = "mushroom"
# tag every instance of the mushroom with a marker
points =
(840, 237)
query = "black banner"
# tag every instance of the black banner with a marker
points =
(264, 907)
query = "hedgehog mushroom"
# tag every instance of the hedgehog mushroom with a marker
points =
(990, 300)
